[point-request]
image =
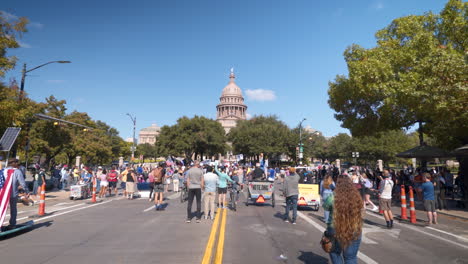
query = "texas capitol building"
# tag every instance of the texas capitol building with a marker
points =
(231, 105)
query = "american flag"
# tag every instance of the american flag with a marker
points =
(5, 193)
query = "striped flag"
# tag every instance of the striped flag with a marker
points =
(5, 193)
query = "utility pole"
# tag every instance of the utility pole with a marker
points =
(133, 141)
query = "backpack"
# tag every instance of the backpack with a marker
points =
(158, 176)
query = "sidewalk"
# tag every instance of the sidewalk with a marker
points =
(421, 216)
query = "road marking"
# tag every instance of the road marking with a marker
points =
(360, 255)
(170, 197)
(426, 233)
(77, 209)
(211, 239)
(447, 233)
(220, 248)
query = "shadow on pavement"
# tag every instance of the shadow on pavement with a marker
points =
(27, 230)
(308, 257)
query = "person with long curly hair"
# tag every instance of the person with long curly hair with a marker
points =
(345, 221)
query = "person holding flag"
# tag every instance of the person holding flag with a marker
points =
(10, 179)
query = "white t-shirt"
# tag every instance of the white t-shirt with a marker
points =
(385, 188)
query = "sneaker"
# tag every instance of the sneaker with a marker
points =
(375, 209)
(286, 220)
(187, 221)
(205, 217)
(212, 218)
(294, 222)
(198, 221)
(157, 207)
(149, 200)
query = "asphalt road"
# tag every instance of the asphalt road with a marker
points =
(117, 230)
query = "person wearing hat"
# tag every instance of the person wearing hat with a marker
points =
(17, 179)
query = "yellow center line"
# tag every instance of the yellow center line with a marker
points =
(220, 248)
(212, 239)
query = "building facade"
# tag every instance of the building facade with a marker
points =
(231, 107)
(148, 135)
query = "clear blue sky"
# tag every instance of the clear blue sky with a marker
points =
(160, 60)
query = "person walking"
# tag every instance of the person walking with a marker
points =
(211, 180)
(16, 180)
(327, 185)
(64, 177)
(159, 174)
(429, 199)
(345, 221)
(175, 181)
(103, 183)
(150, 181)
(385, 199)
(291, 192)
(195, 183)
(368, 191)
(112, 178)
(130, 184)
(223, 178)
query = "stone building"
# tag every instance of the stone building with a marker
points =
(231, 105)
(148, 135)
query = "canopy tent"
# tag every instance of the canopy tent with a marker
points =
(461, 151)
(424, 152)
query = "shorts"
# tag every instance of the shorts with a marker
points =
(222, 190)
(159, 188)
(112, 184)
(104, 184)
(385, 204)
(130, 187)
(429, 205)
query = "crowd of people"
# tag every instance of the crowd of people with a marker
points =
(345, 194)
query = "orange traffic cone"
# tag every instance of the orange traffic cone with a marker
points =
(93, 199)
(302, 202)
(403, 203)
(42, 200)
(412, 208)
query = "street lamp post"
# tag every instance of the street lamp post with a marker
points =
(301, 148)
(24, 71)
(133, 141)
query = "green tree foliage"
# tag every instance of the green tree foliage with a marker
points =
(262, 134)
(340, 147)
(198, 135)
(147, 150)
(417, 72)
(10, 30)
(382, 145)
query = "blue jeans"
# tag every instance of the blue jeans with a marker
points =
(347, 255)
(13, 210)
(291, 201)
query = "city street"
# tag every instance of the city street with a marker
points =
(117, 230)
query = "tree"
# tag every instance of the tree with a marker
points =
(192, 136)
(382, 145)
(416, 74)
(10, 30)
(340, 147)
(262, 134)
(147, 150)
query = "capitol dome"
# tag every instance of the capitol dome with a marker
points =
(231, 105)
(231, 89)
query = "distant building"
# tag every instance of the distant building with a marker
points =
(149, 134)
(129, 140)
(310, 130)
(231, 106)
